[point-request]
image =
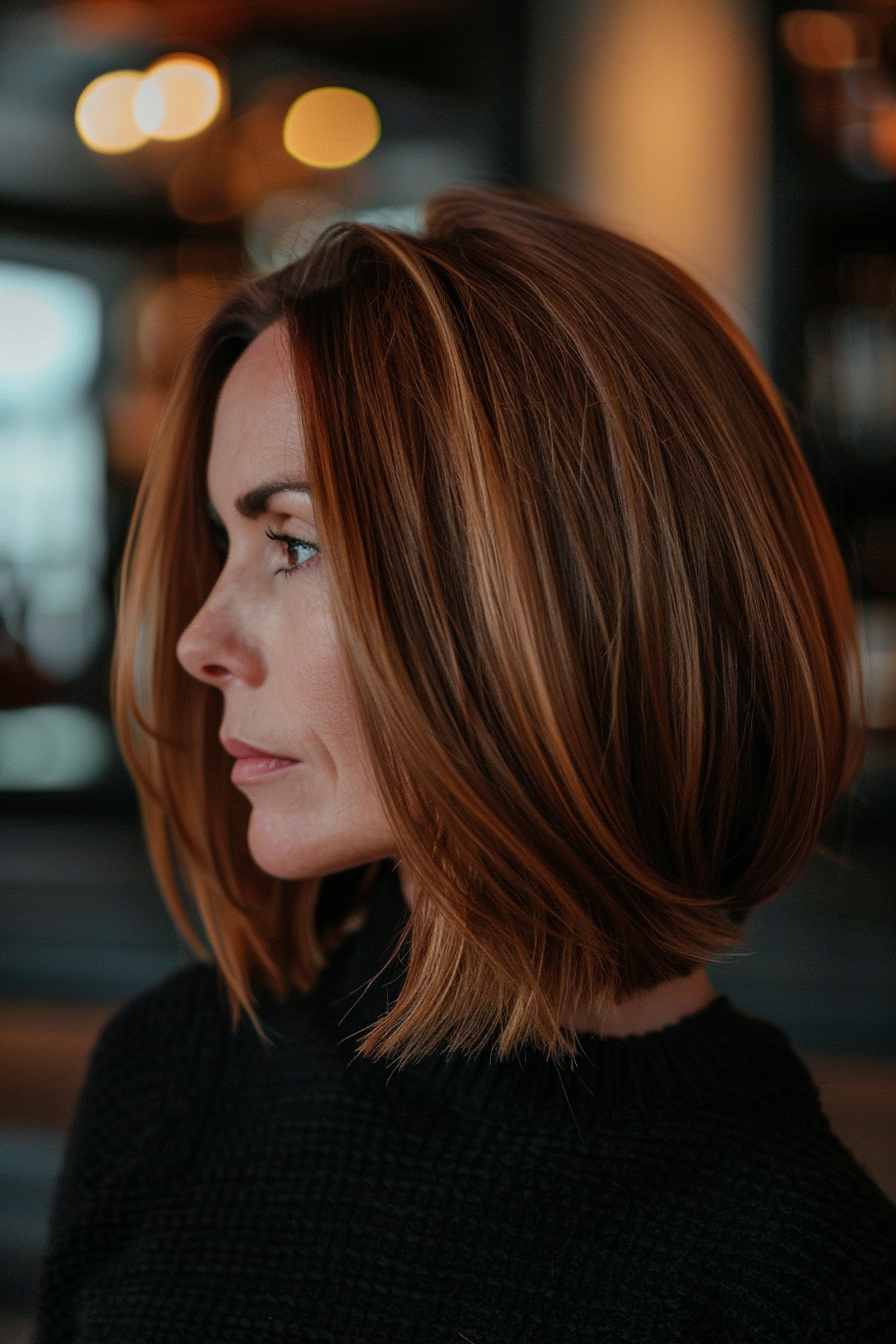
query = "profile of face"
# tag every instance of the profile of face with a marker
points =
(265, 637)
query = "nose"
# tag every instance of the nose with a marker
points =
(216, 647)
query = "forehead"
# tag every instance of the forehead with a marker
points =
(256, 433)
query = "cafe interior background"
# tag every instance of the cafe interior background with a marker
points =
(152, 152)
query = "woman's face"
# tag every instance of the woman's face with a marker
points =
(265, 638)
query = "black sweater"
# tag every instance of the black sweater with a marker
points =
(679, 1186)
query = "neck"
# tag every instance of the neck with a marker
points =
(662, 1006)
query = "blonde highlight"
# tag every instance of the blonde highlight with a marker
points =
(598, 628)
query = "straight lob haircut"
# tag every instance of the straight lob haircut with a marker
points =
(597, 624)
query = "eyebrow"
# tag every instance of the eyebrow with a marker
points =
(254, 502)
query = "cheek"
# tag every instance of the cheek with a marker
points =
(294, 849)
(324, 815)
(311, 694)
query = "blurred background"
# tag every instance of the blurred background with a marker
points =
(152, 152)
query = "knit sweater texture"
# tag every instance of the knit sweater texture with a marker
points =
(679, 1187)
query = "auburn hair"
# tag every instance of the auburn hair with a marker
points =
(598, 627)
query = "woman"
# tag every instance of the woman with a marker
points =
(485, 566)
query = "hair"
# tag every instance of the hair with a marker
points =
(594, 615)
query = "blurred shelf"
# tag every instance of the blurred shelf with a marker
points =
(44, 1051)
(81, 918)
(29, 1166)
(135, 224)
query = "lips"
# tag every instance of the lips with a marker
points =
(253, 765)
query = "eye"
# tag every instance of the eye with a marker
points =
(298, 551)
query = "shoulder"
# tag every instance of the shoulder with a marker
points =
(796, 1191)
(781, 1156)
(796, 1228)
(150, 1070)
(150, 1080)
(174, 1018)
(861, 1310)
(771, 1228)
(174, 1027)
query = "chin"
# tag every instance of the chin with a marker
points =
(284, 848)
(277, 848)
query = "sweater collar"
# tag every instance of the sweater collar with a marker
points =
(715, 1050)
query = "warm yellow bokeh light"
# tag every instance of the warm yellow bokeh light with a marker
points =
(331, 127)
(819, 39)
(104, 115)
(178, 97)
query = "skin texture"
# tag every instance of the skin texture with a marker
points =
(265, 638)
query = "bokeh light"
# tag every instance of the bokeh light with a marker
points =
(52, 475)
(104, 115)
(179, 97)
(30, 334)
(52, 747)
(331, 127)
(175, 99)
(49, 337)
(819, 39)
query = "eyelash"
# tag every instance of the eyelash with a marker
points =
(292, 544)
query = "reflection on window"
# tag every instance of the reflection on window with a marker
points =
(49, 338)
(52, 499)
(52, 747)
